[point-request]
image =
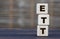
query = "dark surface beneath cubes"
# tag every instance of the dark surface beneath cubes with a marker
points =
(27, 34)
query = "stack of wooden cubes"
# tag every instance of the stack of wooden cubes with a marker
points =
(43, 19)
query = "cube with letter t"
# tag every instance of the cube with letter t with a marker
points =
(43, 19)
(42, 30)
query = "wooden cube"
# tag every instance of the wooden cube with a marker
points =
(43, 19)
(42, 8)
(42, 30)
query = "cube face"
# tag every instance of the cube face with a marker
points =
(42, 8)
(43, 19)
(42, 30)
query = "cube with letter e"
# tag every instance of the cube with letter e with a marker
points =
(42, 8)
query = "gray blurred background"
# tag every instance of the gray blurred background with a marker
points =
(22, 13)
